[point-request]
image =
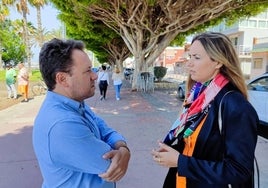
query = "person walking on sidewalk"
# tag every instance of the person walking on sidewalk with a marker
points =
(74, 147)
(10, 82)
(117, 78)
(212, 143)
(103, 81)
(23, 81)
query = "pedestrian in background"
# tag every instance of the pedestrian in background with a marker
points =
(212, 144)
(117, 78)
(23, 82)
(74, 147)
(103, 81)
(10, 81)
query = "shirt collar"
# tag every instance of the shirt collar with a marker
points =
(75, 105)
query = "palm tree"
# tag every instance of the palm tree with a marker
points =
(55, 33)
(32, 31)
(39, 4)
(4, 12)
(22, 7)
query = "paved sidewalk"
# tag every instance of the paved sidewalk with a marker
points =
(18, 165)
(142, 118)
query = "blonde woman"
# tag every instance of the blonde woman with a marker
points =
(23, 81)
(117, 78)
(199, 152)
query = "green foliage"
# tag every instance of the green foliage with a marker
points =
(83, 28)
(35, 75)
(79, 25)
(2, 75)
(252, 9)
(179, 40)
(230, 17)
(160, 72)
(12, 43)
(151, 2)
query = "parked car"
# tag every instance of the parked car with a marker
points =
(258, 95)
(94, 69)
(181, 90)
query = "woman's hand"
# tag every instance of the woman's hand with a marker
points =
(165, 155)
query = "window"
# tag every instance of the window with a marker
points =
(262, 24)
(243, 23)
(257, 63)
(252, 23)
(259, 85)
(234, 41)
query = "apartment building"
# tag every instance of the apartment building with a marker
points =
(259, 56)
(172, 58)
(247, 35)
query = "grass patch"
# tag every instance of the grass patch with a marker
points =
(2, 75)
(35, 75)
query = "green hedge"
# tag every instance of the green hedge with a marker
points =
(160, 72)
(2, 75)
(34, 76)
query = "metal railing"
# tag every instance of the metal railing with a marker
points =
(145, 82)
(244, 50)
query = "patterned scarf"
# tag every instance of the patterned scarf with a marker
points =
(195, 108)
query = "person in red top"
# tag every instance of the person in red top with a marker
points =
(23, 81)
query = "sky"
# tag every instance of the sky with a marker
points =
(48, 14)
(49, 22)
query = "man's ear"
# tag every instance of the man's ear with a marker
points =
(61, 78)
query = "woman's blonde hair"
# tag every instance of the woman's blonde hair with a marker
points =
(117, 70)
(220, 49)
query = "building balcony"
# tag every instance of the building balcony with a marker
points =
(244, 51)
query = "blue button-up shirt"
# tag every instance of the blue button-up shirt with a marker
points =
(69, 145)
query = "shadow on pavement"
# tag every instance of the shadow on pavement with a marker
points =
(19, 167)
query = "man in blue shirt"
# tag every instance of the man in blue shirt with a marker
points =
(74, 147)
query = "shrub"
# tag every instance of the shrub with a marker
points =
(160, 72)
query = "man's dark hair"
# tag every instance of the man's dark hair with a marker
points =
(56, 56)
(103, 67)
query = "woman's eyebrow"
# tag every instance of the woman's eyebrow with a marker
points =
(193, 54)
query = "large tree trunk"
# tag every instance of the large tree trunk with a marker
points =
(26, 40)
(39, 26)
(1, 52)
(148, 27)
(118, 53)
(145, 57)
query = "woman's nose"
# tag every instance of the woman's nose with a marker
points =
(189, 63)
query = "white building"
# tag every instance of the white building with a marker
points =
(242, 35)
